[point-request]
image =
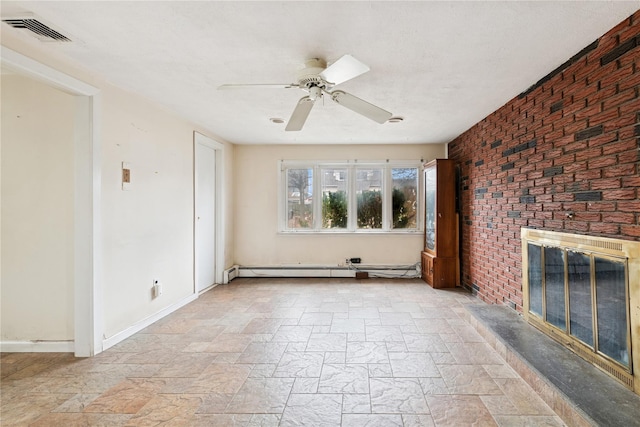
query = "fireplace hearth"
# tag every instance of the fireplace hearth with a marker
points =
(584, 292)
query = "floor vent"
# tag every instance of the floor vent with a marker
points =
(39, 30)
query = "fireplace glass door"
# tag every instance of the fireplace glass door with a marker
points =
(555, 298)
(580, 309)
(611, 310)
(583, 295)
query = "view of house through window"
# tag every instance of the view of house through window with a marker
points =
(379, 196)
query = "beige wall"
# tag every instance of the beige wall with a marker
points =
(257, 241)
(147, 232)
(37, 144)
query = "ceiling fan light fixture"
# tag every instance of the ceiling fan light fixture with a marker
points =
(315, 92)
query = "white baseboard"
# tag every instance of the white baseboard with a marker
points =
(137, 327)
(37, 346)
(330, 271)
(207, 289)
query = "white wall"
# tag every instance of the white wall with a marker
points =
(147, 232)
(37, 211)
(257, 241)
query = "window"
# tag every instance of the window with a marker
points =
(334, 198)
(299, 198)
(369, 194)
(404, 197)
(350, 197)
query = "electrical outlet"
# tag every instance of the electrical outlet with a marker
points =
(355, 260)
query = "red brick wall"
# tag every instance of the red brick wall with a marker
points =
(568, 145)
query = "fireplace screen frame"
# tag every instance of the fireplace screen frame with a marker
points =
(616, 250)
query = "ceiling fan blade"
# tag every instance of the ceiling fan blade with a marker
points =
(344, 69)
(300, 114)
(360, 106)
(257, 86)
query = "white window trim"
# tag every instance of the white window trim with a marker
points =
(351, 166)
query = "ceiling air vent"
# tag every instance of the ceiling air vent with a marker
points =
(40, 30)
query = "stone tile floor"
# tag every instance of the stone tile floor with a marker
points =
(285, 352)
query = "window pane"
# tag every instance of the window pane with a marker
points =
(405, 192)
(612, 309)
(299, 198)
(369, 192)
(430, 208)
(580, 317)
(534, 257)
(334, 198)
(554, 287)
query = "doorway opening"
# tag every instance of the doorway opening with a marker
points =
(87, 308)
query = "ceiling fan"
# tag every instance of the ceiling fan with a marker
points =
(317, 79)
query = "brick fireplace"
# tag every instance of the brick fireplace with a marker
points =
(561, 156)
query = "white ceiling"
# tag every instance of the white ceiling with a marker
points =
(442, 66)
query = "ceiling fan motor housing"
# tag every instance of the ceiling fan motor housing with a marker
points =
(309, 76)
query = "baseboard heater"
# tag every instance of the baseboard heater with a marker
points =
(406, 271)
(230, 273)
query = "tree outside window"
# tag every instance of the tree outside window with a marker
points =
(404, 203)
(369, 191)
(334, 198)
(300, 198)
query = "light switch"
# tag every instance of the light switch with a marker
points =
(126, 176)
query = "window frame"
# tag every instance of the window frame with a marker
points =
(352, 199)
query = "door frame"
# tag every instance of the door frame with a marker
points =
(88, 310)
(219, 203)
